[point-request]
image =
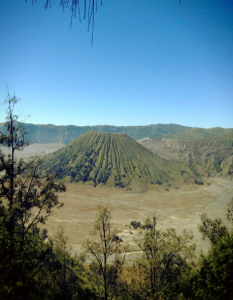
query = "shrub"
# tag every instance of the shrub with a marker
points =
(159, 182)
(135, 224)
(199, 182)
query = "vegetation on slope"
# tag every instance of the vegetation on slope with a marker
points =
(210, 156)
(200, 133)
(111, 158)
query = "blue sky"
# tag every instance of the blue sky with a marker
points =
(152, 61)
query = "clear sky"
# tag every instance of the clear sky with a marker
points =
(152, 61)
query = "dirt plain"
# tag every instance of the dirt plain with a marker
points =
(34, 149)
(179, 207)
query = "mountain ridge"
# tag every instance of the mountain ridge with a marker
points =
(197, 133)
(65, 134)
(212, 155)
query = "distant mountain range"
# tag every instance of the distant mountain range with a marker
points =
(66, 134)
(113, 159)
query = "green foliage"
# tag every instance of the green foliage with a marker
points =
(159, 182)
(162, 271)
(212, 229)
(63, 276)
(105, 245)
(20, 261)
(135, 224)
(230, 211)
(213, 279)
(199, 182)
(28, 200)
(117, 238)
(215, 276)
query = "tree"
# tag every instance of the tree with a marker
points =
(162, 269)
(214, 278)
(89, 10)
(63, 279)
(25, 201)
(230, 211)
(105, 246)
(212, 229)
(60, 276)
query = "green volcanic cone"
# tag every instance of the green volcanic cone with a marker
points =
(111, 158)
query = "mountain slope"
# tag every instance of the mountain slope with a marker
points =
(200, 133)
(211, 156)
(115, 159)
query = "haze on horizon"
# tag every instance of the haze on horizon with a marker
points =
(153, 62)
(135, 125)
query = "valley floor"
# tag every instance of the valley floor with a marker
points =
(178, 208)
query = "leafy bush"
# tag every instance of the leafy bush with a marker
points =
(159, 182)
(135, 224)
(117, 238)
(199, 182)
